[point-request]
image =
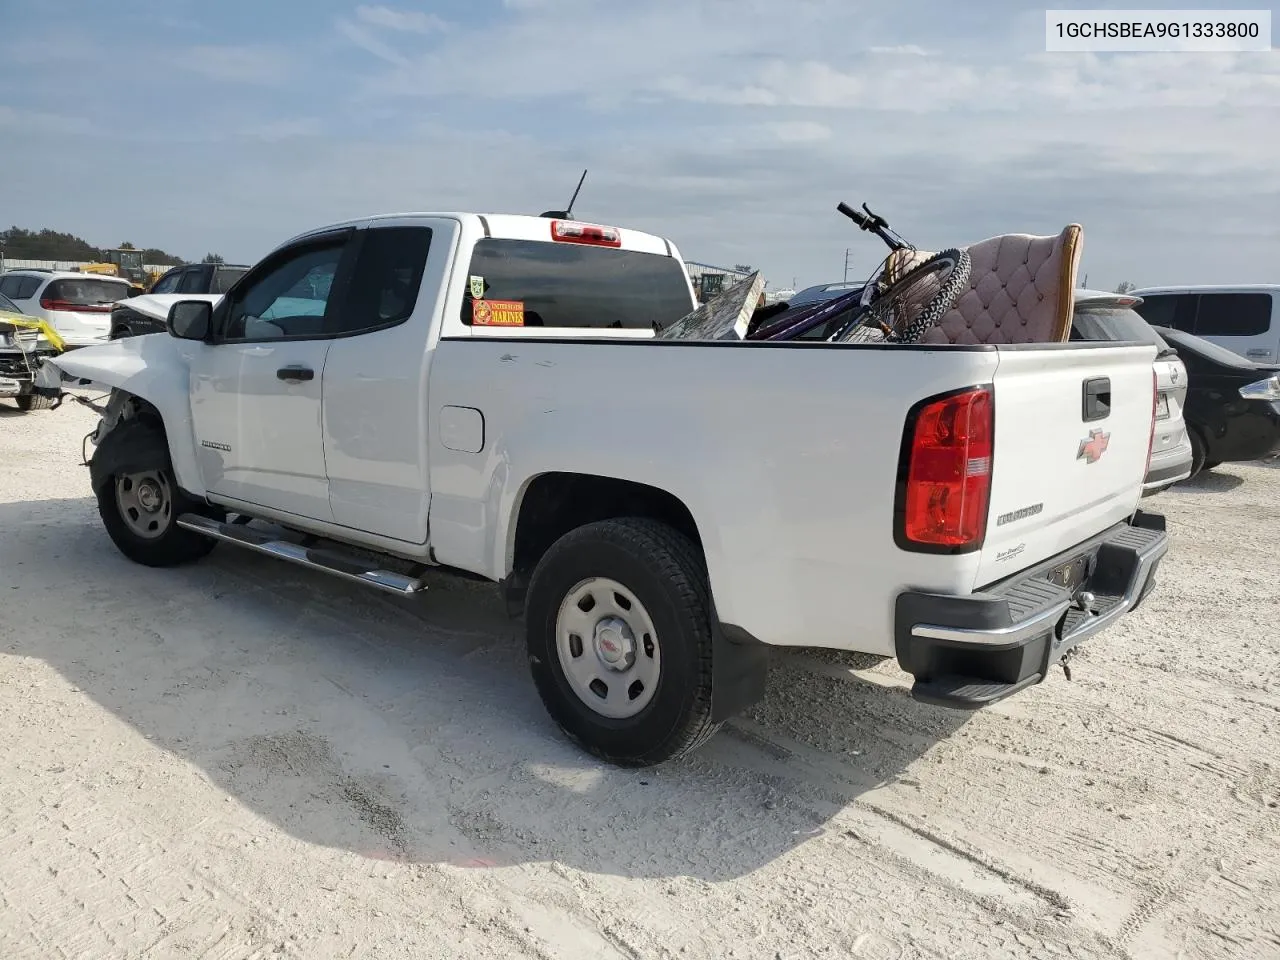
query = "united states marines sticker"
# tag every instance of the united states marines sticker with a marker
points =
(497, 313)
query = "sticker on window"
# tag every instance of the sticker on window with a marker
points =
(477, 288)
(497, 313)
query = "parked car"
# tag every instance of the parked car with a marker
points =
(1244, 319)
(25, 343)
(487, 394)
(76, 305)
(824, 291)
(1111, 316)
(201, 278)
(1233, 405)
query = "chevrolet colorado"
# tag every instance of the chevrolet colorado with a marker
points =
(486, 393)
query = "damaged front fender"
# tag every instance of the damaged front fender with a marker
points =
(155, 369)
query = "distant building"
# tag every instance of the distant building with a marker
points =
(708, 279)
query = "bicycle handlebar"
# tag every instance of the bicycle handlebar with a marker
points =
(852, 214)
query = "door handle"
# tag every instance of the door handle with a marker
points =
(295, 374)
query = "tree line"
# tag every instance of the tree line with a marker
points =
(45, 244)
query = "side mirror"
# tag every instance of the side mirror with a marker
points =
(190, 319)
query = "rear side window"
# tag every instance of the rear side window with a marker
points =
(86, 293)
(1176, 310)
(19, 288)
(1233, 315)
(573, 285)
(7, 305)
(386, 279)
(224, 278)
(193, 280)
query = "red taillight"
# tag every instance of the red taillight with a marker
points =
(570, 231)
(949, 471)
(1155, 402)
(49, 304)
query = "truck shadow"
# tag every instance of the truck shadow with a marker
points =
(410, 731)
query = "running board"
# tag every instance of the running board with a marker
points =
(316, 558)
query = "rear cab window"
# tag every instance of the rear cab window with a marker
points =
(535, 283)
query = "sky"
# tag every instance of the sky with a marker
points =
(733, 127)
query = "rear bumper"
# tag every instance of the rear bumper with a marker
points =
(1165, 475)
(969, 651)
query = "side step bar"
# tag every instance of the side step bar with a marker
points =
(328, 561)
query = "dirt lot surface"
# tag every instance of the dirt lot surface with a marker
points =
(241, 759)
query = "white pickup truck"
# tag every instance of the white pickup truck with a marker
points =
(486, 394)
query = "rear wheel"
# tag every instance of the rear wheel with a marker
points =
(140, 502)
(33, 401)
(619, 639)
(1197, 452)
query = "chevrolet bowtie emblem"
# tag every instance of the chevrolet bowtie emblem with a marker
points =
(1094, 447)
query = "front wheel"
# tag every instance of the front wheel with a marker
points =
(33, 401)
(139, 502)
(619, 639)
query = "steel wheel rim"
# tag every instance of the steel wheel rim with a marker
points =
(145, 501)
(608, 648)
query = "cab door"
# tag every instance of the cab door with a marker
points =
(375, 407)
(256, 389)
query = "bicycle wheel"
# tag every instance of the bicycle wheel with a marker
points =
(913, 304)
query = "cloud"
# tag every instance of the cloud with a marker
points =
(906, 49)
(248, 64)
(731, 126)
(366, 41)
(404, 21)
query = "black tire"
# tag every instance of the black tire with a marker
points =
(33, 401)
(168, 545)
(938, 282)
(1211, 465)
(666, 574)
(1197, 452)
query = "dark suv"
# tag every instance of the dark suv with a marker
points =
(188, 278)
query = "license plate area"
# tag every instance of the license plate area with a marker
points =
(1072, 574)
(1162, 407)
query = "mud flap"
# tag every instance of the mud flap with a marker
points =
(739, 670)
(133, 446)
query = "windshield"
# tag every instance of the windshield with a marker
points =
(1207, 349)
(7, 305)
(1114, 323)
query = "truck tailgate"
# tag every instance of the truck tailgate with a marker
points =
(1072, 433)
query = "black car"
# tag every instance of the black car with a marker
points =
(188, 278)
(1233, 405)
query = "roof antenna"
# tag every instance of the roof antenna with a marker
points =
(567, 213)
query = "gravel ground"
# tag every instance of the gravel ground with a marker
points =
(241, 759)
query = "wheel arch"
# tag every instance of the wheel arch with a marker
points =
(552, 503)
